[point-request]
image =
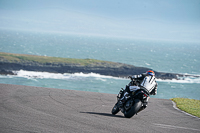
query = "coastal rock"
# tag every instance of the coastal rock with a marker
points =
(110, 69)
(6, 72)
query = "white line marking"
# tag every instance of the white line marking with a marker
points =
(174, 127)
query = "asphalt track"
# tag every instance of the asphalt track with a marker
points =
(26, 109)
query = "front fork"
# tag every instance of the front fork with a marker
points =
(120, 94)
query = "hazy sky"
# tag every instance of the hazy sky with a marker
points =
(146, 19)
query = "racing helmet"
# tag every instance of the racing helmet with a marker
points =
(150, 72)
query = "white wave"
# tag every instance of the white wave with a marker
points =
(147, 64)
(47, 75)
(41, 75)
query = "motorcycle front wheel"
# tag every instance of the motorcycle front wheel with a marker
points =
(115, 109)
(134, 109)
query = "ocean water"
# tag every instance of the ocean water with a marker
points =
(163, 56)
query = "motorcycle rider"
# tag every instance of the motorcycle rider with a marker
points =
(144, 81)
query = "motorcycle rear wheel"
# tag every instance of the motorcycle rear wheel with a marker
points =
(115, 109)
(134, 109)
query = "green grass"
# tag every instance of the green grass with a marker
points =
(45, 59)
(190, 106)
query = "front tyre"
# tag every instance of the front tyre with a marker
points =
(134, 109)
(115, 109)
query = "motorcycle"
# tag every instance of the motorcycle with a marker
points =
(134, 102)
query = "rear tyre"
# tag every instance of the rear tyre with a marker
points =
(115, 109)
(134, 109)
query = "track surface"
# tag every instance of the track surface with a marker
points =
(35, 109)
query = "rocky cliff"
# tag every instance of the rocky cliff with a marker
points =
(8, 65)
(117, 70)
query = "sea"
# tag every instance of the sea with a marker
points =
(159, 55)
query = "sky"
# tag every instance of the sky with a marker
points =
(177, 20)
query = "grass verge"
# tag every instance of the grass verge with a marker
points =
(190, 106)
(45, 59)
